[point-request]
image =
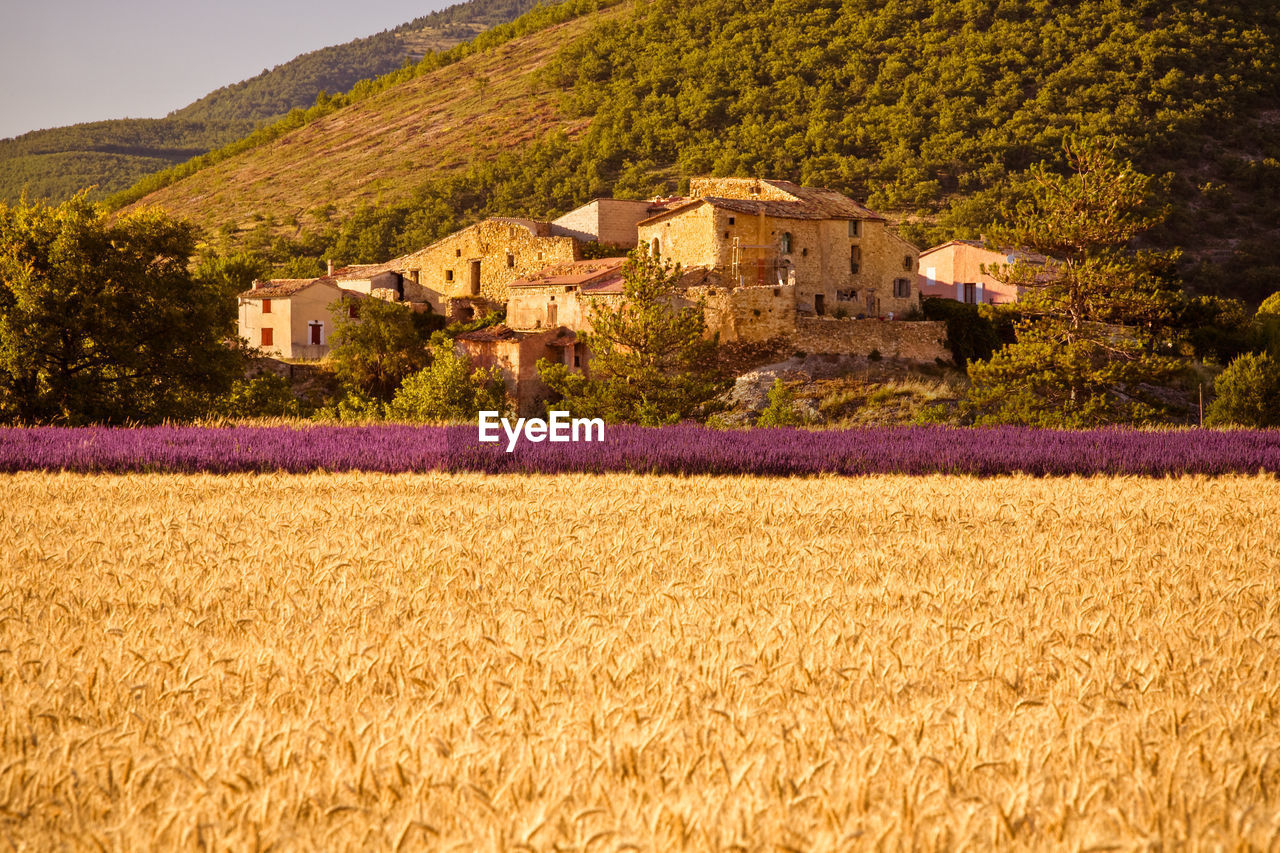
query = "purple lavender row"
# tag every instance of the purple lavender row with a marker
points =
(685, 449)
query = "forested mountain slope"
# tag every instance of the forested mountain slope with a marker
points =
(112, 155)
(929, 109)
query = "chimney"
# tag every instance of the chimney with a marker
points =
(256, 284)
(330, 266)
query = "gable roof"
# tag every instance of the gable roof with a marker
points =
(283, 288)
(1011, 255)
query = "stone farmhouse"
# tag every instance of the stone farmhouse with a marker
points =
(839, 255)
(291, 318)
(954, 271)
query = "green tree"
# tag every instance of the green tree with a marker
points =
(1092, 334)
(650, 363)
(102, 321)
(1248, 393)
(377, 349)
(448, 389)
(1266, 323)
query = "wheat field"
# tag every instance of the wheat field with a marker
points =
(602, 663)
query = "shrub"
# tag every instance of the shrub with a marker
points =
(781, 410)
(265, 396)
(1248, 393)
(448, 390)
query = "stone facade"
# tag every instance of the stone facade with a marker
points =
(923, 341)
(837, 254)
(954, 271)
(611, 221)
(472, 268)
(291, 318)
(748, 313)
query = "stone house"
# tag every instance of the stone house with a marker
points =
(516, 354)
(609, 221)
(954, 271)
(470, 271)
(561, 294)
(836, 253)
(377, 280)
(292, 318)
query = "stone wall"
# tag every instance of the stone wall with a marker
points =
(481, 261)
(923, 341)
(748, 313)
(814, 255)
(605, 220)
(748, 188)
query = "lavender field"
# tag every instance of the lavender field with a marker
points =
(684, 449)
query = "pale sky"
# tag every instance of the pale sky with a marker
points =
(69, 61)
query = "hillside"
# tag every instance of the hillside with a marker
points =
(929, 109)
(378, 151)
(113, 155)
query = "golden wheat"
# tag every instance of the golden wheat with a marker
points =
(609, 663)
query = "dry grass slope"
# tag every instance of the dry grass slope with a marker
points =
(610, 663)
(381, 149)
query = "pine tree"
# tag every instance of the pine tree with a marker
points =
(1092, 338)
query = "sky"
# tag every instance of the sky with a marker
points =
(69, 61)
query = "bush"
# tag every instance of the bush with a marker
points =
(1248, 393)
(448, 390)
(781, 410)
(265, 396)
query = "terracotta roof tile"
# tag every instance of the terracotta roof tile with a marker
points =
(278, 288)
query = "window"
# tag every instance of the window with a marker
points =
(457, 253)
(777, 291)
(353, 310)
(855, 259)
(786, 242)
(267, 337)
(846, 295)
(726, 235)
(655, 248)
(448, 275)
(907, 263)
(266, 306)
(901, 288)
(553, 314)
(853, 228)
(731, 220)
(511, 260)
(971, 292)
(315, 332)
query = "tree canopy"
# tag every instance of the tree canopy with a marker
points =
(102, 322)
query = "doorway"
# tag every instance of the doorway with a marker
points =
(820, 304)
(475, 278)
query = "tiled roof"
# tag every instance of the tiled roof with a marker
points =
(813, 205)
(278, 288)
(360, 271)
(489, 333)
(575, 273)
